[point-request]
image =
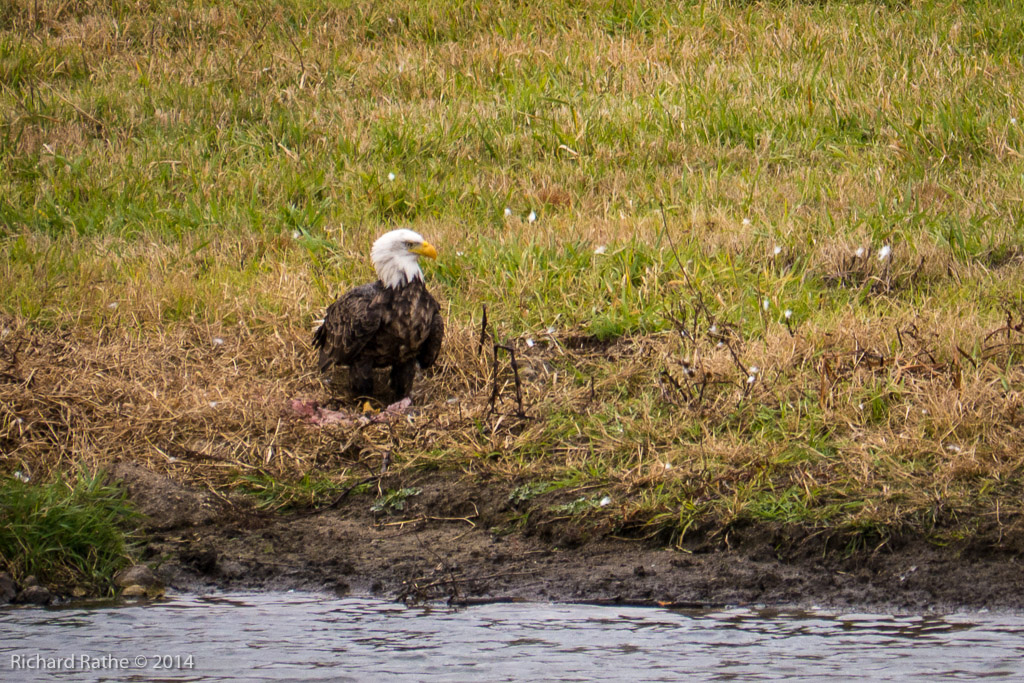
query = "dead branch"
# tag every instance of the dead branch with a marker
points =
(483, 332)
(496, 390)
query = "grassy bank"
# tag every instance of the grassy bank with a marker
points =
(71, 534)
(774, 271)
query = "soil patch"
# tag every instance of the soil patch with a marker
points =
(449, 543)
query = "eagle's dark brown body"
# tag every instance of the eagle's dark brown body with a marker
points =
(374, 326)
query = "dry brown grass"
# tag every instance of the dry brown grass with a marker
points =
(905, 417)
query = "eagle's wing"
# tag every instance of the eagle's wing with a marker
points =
(432, 346)
(349, 324)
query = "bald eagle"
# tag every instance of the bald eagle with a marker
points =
(393, 322)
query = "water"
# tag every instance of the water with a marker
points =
(290, 636)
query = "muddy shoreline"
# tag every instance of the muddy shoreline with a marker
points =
(442, 547)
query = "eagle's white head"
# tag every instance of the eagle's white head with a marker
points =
(396, 255)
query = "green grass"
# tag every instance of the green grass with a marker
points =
(273, 493)
(69, 533)
(696, 170)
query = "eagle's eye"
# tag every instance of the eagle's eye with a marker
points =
(408, 245)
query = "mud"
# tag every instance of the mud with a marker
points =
(453, 542)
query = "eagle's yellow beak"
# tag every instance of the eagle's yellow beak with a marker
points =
(425, 249)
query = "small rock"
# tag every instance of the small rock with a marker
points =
(153, 592)
(137, 575)
(134, 591)
(30, 581)
(8, 590)
(35, 595)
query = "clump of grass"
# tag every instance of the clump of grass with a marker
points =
(68, 533)
(281, 493)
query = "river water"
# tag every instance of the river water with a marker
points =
(306, 636)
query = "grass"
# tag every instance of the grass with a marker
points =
(70, 533)
(171, 174)
(271, 493)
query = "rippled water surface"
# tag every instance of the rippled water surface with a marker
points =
(288, 636)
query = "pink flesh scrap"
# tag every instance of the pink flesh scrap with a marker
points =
(314, 413)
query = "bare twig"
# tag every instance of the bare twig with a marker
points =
(515, 372)
(302, 62)
(483, 332)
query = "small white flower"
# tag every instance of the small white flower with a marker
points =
(952, 448)
(859, 253)
(1013, 121)
(606, 501)
(529, 342)
(713, 329)
(719, 345)
(550, 330)
(296, 234)
(788, 313)
(213, 404)
(112, 305)
(391, 177)
(751, 379)
(754, 369)
(600, 249)
(860, 406)
(508, 212)
(217, 341)
(20, 476)
(884, 252)
(458, 253)
(777, 250)
(19, 420)
(668, 465)
(532, 217)
(746, 222)
(764, 304)
(924, 411)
